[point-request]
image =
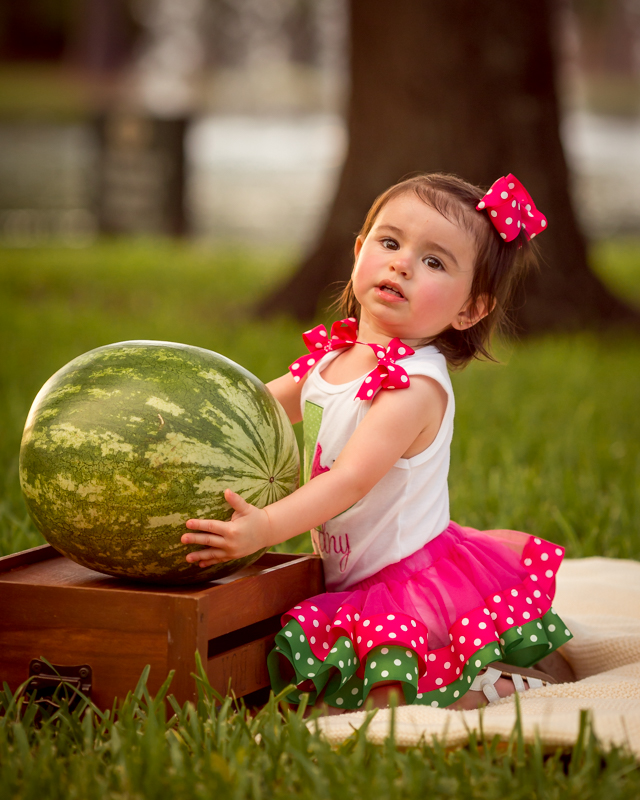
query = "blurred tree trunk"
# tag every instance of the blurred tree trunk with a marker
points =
(103, 36)
(463, 87)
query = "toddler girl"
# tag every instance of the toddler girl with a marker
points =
(415, 602)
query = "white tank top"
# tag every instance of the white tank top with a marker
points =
(407, 508)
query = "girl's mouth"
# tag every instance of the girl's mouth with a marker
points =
(389, 291)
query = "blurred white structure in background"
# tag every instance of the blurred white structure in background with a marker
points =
(604, 157)
(264, 163)
(45, 193)
(263, 178)
(171, 54)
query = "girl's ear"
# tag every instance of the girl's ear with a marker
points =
(471, 312)
(358, 246)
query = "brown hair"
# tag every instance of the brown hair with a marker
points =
(498, 267)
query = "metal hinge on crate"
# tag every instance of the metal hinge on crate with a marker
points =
(52, 682)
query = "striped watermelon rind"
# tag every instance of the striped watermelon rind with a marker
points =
(127, 442)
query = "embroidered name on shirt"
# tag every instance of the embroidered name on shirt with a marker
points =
(328, 543)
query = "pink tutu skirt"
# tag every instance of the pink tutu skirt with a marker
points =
(430, 622)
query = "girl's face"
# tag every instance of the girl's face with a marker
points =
(413, 272)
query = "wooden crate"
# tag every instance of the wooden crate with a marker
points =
(53, 608)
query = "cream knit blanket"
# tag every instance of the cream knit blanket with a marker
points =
(599, 599)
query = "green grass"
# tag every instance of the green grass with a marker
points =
(217, 748)
(547, 441)
(550, 443)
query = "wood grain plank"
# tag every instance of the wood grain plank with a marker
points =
(244, 668)
(23, 607)
(116, 669)
(44, 566)
(62, 571)
(186, 633)
(254, 598)
(25, 557)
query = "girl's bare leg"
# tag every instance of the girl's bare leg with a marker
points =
(384, 695)
(558, 667)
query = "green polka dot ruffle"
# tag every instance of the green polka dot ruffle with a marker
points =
(346, 682)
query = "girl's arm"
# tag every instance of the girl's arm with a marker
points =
(287, 392)
(393, 423)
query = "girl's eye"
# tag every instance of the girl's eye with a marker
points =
(390, 244)
(433, 262)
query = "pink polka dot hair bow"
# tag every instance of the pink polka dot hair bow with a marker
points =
(388, 374)
(511, 209)
(344, 333)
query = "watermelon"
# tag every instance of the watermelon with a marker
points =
(127, 442)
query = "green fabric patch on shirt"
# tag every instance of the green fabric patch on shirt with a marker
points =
(312, 419)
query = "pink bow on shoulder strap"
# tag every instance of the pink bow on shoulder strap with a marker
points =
(387, 375)
(511, 209)
(344, 333)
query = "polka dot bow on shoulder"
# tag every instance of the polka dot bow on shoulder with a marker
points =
(511, 209)
(386, 375)
(344, 333)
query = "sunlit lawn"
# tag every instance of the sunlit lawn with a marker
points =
(548, 441)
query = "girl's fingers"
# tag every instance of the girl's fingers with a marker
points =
(208, 539)
(211, 554)
(205, 525)
(211, 533)
(217, 526)
(236, 502)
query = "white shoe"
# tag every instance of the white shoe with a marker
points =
(485, 681)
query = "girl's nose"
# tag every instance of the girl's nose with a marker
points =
(401, 265)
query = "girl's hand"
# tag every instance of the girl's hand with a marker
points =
(247, 531)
